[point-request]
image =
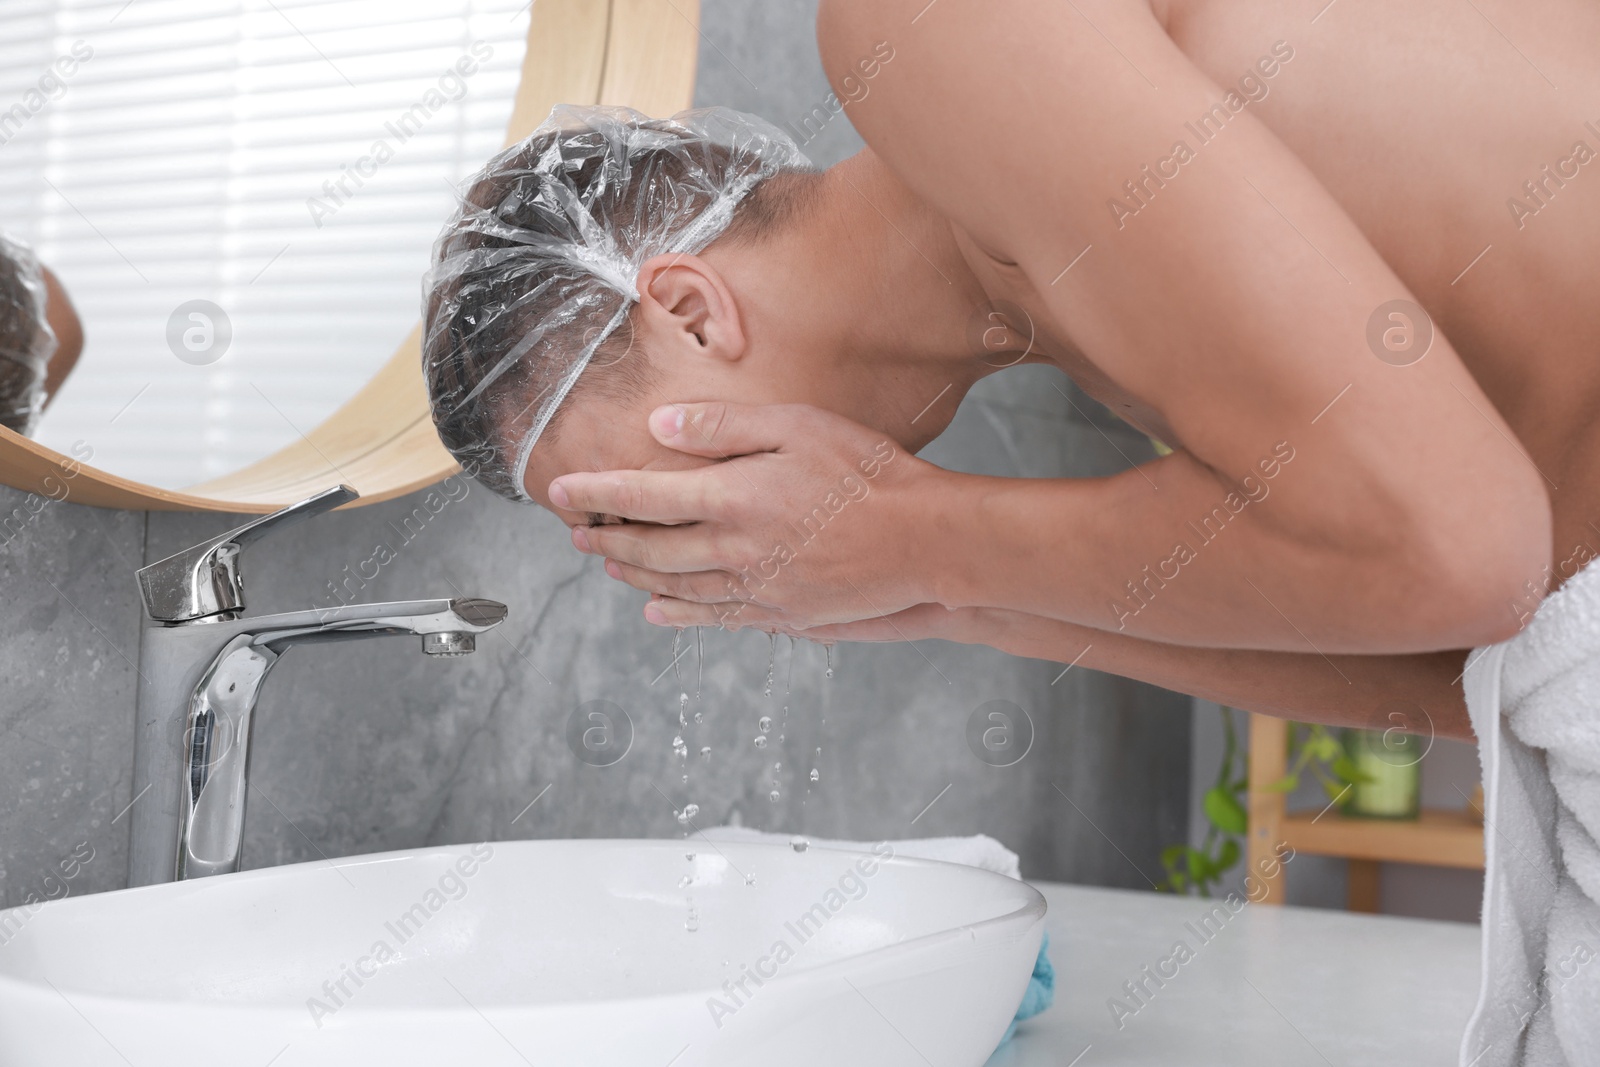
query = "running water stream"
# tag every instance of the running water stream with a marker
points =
(680, 748)
(681, 743)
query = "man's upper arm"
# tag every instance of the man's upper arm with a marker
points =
(1234, 297)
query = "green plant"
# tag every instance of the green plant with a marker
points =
(1198, 869)
(1312, 748)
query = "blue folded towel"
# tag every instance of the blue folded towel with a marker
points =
(1040, 992)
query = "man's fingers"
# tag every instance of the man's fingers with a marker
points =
(643, 496)
(667, 611)
(702, 587)
(719, 430)
(912, 624)
(678, 549)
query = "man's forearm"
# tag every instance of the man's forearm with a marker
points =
(1340, 690)
(1170, 552)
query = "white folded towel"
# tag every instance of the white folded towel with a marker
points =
(1535, 705)
(980, 850)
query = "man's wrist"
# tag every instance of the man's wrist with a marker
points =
(947, 542)
(965, 626)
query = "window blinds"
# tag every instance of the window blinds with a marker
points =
(289, 161)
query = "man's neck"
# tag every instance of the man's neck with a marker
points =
(900, 300)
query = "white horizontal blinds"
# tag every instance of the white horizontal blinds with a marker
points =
(289, 160)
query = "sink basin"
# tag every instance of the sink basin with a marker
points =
(594, 953)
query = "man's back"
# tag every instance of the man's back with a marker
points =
(1464, 139)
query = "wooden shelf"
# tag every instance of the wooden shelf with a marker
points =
(1437, 838)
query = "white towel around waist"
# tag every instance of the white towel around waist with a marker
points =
(1535, 705)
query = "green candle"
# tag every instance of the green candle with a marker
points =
(1388, 767)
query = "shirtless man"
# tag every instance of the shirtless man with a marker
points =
(1219, 219)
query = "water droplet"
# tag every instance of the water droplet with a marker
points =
(828, 651)
(764, 724)
(689, 856)
(814, 775)
(705, 751)
(699, 661)
(749, 879)
(773, 796)
(776, 767)
(686, 881)
(689, 811)
(799, 844)
(760, 741)
(772, 661)
(680, 748)
(683, 710)
(699, 717)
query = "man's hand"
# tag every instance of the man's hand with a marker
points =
(809, 519)
(922, 622)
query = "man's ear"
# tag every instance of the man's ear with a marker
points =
(688, 310)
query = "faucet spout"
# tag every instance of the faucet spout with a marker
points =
(425, 618)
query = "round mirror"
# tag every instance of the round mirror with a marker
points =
(236, 204)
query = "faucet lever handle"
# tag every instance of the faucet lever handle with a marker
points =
(282, 519)
(205, 580)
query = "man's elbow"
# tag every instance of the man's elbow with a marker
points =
(1485, 569)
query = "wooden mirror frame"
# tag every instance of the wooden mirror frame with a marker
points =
(641, 53)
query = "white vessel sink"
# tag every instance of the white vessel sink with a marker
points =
(564, 953)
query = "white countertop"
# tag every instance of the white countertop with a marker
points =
(1274, 986)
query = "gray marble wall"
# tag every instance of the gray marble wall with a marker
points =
(366, 747)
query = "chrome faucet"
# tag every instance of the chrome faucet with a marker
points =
(201, 667)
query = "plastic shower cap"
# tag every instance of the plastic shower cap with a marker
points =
(537, 268)
(26, 340)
